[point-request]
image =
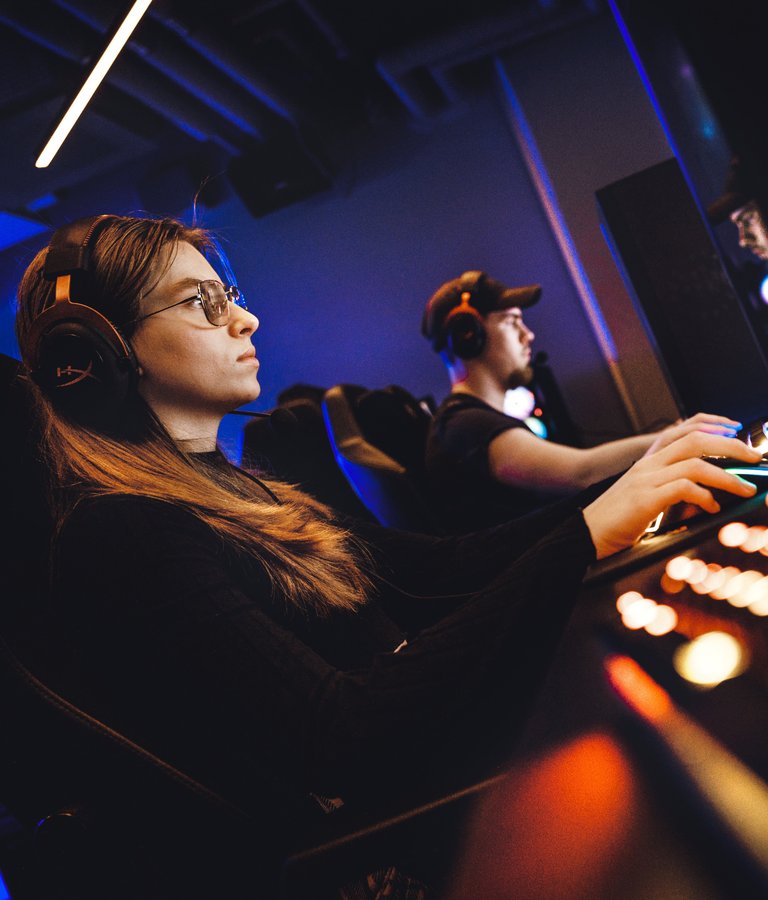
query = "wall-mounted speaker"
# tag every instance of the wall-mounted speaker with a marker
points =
(267, 179)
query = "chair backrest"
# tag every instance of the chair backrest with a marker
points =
(22, 488)
(79, 789)
(293, 445)
(393, 420)
(379, 438)
(102, 815)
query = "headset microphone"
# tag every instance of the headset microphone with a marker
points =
(279, 418)
(282, 419)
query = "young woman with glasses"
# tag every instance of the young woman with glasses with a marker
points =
(238, 626)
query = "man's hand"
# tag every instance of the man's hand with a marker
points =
(676, 473)
(705, 422)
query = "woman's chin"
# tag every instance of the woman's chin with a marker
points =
(253, 393)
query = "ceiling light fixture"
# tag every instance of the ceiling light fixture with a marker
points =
(113, 48)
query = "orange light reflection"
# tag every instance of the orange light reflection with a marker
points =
(563, 827)
(637, 688)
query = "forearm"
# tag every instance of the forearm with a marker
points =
(521, 459)
(503, 640)
(438, 566)
(617, 456)
(611, 458)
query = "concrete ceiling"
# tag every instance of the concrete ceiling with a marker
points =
(261, 96)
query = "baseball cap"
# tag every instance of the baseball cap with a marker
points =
(488, 295)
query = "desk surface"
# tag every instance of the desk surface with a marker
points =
(684, 780)
(591, 820)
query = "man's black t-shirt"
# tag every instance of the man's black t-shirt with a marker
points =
(458, 469)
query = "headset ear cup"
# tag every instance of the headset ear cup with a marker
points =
(466, 335)
(74, 353)
(83, 371)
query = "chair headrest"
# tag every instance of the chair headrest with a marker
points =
(393, 420)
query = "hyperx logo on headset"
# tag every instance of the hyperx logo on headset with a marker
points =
(70, 370)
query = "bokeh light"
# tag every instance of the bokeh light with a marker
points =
(679, 568)
(733, 534)
(710, 659)
(639, 614)
(663, 621)
(627, 599)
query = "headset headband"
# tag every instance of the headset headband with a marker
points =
(69, 251)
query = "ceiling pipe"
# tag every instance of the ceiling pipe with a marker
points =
(217, 51)
(183, 66)
(232, 68)
(415, 72)
(61, 35)
(448, 83)
(309, 9)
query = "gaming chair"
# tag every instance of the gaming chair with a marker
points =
(379, 438)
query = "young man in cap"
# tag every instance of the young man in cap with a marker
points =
(485, 466)
(738, 203)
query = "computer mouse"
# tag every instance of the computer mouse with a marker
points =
(755, 474)
(673, 517)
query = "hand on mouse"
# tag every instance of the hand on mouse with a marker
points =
(676, 473)
(704, 422)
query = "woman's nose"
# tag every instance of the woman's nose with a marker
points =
(242, 319)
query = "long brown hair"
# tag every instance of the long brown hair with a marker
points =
(313, 563)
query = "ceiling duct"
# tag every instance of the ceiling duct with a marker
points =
(73, 41)
(220, 53)
(273, 165)
(191, 63)
(268, 96)
(419, 73)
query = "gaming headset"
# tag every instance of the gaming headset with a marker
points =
(463, 328)
(76, 355)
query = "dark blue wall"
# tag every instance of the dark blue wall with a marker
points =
(339, 280)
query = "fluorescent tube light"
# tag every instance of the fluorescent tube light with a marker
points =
(92, 82)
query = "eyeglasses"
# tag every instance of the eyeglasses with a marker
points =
(214, 299)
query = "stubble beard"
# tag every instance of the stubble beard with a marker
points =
(521, 378)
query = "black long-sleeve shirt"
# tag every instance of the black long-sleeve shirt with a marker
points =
(180, 643)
